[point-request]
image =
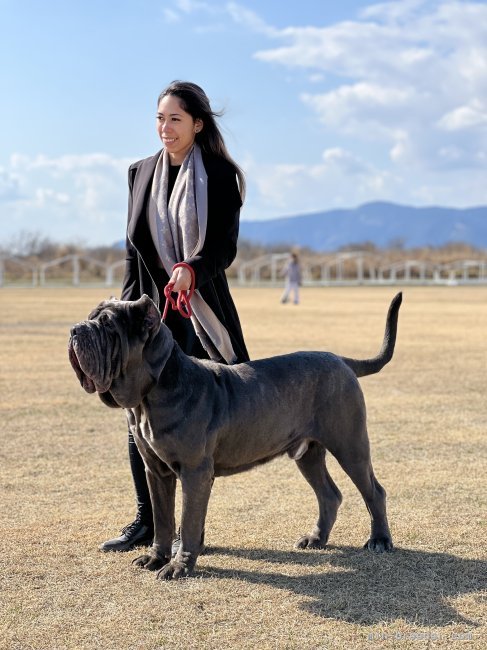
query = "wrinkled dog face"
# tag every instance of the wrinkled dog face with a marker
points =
(102, 347)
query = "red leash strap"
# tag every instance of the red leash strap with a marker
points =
(182, 304)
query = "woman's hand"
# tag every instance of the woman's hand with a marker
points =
(181, 278)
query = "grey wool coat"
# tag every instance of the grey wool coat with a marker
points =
(143, 271)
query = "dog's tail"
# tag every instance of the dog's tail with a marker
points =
(371, 366)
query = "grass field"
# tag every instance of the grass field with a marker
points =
(65, 487)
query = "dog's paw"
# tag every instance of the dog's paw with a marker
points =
(149, 562)
(310, 541)
(181, 566)
(379, 544)
(171, 572)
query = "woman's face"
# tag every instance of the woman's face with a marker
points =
(176, 128)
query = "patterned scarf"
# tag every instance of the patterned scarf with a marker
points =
(178, 230)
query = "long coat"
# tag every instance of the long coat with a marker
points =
(144, 272)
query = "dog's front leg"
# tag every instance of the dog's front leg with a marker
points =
(162, 488)
(196, 486)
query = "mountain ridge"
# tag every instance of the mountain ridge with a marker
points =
(381, 223)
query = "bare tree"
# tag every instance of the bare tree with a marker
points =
(29, 244)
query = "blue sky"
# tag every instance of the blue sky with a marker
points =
(327, 104)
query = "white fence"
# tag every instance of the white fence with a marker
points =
(360, 267)
(74, 264)
(354, 268)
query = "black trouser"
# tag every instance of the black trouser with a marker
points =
(142, 496)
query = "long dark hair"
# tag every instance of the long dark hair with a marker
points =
(194, 101)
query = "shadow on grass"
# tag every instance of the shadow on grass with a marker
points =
(357, 586)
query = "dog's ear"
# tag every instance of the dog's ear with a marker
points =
(152, 315)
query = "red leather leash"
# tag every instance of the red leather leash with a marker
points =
(182, 304)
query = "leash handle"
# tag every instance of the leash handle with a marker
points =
(183, 302)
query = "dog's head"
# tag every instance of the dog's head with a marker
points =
(120, 350)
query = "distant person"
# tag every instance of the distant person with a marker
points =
(184, 206)
(292, 273)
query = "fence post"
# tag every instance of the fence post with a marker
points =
(75, 270)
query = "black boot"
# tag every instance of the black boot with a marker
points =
(141, 531)
(138, 533)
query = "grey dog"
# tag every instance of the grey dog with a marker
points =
(195, 420)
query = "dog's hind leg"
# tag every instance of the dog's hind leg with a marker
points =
(313, 468)
(374, 495)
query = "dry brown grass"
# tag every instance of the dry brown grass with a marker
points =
(66, 487)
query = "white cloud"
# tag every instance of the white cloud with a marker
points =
(69, 163)
(66, 197)
(184, 8)
(46, 197)
(340, 178)
(404, 65)
(249, 19)
(392, 12)
(9, 186)
(464, 117)
(238, 13)
(362, 107)
(339, 157)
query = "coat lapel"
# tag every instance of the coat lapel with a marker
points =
(141, 192)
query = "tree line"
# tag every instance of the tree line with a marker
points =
(33, 249)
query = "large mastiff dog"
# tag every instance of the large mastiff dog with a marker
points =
(195, 420)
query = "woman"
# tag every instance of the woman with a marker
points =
(292, 272)
(184, 206)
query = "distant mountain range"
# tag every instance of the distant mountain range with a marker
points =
(379, 223)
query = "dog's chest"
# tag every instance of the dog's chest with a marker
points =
(169, 443)
(140, 424)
